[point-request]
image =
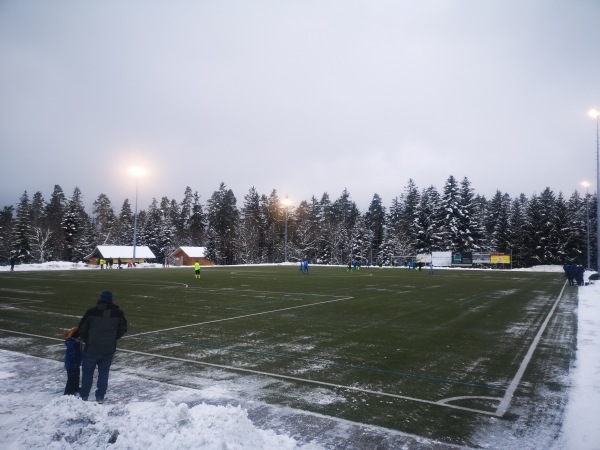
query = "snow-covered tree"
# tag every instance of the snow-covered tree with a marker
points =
(518, 228)
(6, 234)
(251, 234)
(104, 220)
(124, 225)
(375, 219)
(468, 229)
(452, 216)
(77, 229)
(223, 221)
(197, 222)
(428, 224)
(22, 230)
(55, 212)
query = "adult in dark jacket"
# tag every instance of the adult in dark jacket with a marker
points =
(100, 327)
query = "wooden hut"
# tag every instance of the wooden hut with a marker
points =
(188, 256)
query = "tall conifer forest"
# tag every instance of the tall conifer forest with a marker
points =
(545, 228)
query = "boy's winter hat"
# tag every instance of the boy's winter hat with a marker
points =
(70, 333)
(105, 296)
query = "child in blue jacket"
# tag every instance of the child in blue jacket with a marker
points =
(73, 356)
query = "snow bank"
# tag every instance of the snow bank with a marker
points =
(67, 422)
(580, 427)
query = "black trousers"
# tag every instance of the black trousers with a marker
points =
(72, 386)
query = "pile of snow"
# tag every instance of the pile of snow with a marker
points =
(34, 414)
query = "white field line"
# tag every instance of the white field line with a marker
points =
(505, 402)
(32, 335)
(19, 302)
(238, 317)
(441, 402)
(320, 383)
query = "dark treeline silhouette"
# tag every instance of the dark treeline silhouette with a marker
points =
(545, 228)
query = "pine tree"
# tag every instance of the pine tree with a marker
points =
(223, 217)
(55, 212)
(540, 230)
(375, 224)
(410, 207)
(452, 212)
(333, 234)
(77, 229)
(518, 228)
(124, 226)
(197, 223)
(428, 225)
(182, 222)
(565, 233)
(22, 230)
(41, 234)
(340, 220)
(500, 236)
(576, 248)
(468, 235)
(273, 213)
(360, 240)
(104, 220)
(307, 229)
(6, 234)
(150, 228)
(251, 235)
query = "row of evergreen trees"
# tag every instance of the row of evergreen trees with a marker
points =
(542, 229)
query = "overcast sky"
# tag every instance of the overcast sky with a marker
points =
(303, 97)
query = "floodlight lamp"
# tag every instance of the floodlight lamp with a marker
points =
(594, 113)
(586, 184)
(137, 171)
(286, 201)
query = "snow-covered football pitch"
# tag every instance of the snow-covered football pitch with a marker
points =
(452, 356)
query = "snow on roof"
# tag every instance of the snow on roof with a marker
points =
(121, 251)
(193, 252)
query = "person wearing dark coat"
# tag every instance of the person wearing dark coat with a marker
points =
(73, 358)
(100, 328)
(579, 276)
(571, 274)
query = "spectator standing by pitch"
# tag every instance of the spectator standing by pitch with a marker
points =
(73, 357)
(100, 328)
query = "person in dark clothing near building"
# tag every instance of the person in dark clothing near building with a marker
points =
(579, 276)
(100, 328)
(571, 274)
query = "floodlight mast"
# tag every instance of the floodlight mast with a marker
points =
(595, 114)
(137, 172)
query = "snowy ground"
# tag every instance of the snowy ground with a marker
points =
(150, 415)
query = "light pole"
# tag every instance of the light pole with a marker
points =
(594, 113)
(286, 203)
(587, 221)
(137, 172)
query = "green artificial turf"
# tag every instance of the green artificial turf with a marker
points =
(392, 340)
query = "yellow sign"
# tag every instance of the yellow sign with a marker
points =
(499, 258)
